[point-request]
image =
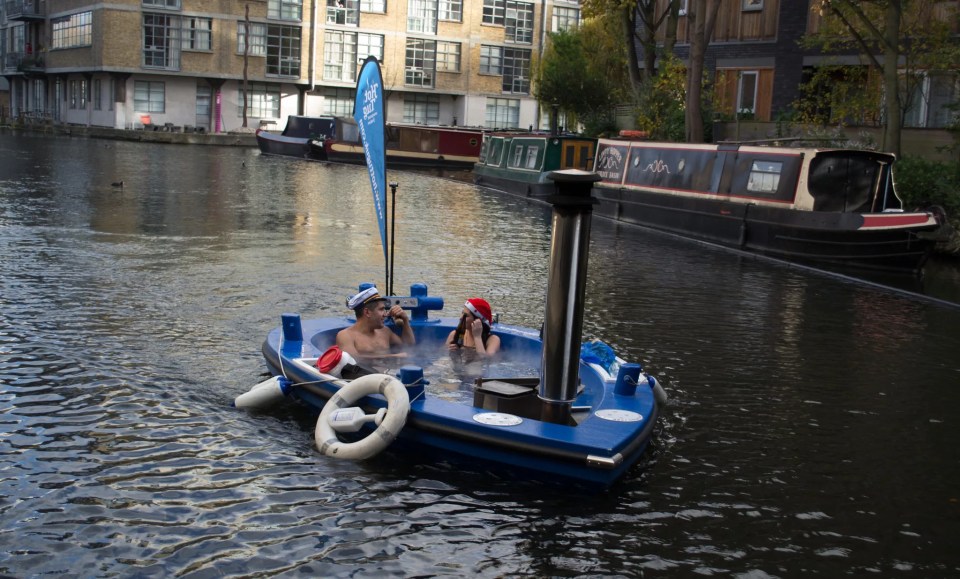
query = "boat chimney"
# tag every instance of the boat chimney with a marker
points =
(566, 283)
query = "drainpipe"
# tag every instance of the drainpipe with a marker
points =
(566, 284)
(313, 46)
(543, 38)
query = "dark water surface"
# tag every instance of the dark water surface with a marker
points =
(813, 428)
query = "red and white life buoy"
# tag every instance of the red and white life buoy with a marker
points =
(388, 425)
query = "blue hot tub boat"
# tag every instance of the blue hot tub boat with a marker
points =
(569, 417)
(575, 418)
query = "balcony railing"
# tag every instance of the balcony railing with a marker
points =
(23, 9)
(21, 62)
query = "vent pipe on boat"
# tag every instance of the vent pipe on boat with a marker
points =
(566, 284)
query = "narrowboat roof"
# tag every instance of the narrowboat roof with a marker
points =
(751, 148)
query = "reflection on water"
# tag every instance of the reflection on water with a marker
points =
(812, 427)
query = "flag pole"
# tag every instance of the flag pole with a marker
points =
(393, 230)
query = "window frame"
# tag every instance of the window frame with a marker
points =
(444, 57)
(450, 10)
(286, 10)
(164, 55)
(284, 57)
(516, 62)
(422, 16)
(422, 51)
(741, 75)
(77, 26)
(149, 89)
(487, 54)
(190, 34)
(258, 37)
(494, 12)
(260, 95)
(514, 32)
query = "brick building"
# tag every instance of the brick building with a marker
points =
(182, 62)
(757, 62)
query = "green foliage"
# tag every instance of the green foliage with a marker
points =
(581, 73)
(662, 102)
(839, 95)
(921, 182)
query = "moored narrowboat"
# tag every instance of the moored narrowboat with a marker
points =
(834, 207)
(409, 146)
(519, 162)
(298, 137)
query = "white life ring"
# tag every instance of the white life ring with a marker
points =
(398, 406)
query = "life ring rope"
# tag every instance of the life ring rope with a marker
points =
(398, 406)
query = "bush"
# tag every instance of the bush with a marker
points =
(921, 182)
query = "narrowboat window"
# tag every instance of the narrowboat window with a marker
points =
(517, 156)
(764, 177)
(494, 150)
(532, 157)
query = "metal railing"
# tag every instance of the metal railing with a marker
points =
(21, 8)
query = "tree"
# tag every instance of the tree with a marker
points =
(246, 61)
(900, 39)
(701, 17)
(640, 21)
(579, 73)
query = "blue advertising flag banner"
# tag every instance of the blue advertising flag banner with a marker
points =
(368, 111)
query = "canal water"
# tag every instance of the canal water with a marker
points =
(813, 426)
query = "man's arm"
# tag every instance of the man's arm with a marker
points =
(346, 342)
(402, 319)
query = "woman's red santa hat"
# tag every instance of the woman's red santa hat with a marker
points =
(480, 309)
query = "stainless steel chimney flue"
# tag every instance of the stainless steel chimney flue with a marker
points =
(566, 283)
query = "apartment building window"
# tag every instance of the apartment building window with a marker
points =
(263, 101)
(493, 11)
(450, 10)
(167, 4)
(283, 50)
(369, 45)
(204, 104)
(12, 39)
(448, 57)
(74, 94)
(422, 109)
(516, 70)
(113, 94)
(285, 9)
(565, 18)
(750, 5)
(747, 92)
(258, 38)
(491, 59)
(161, 41)
(197, 33)
(148, 96)
(420, 62)
(97, 95)
(519, 22)
(375, 6)
(343, 51)
(338, 101)
(84, 93)
(345, 12)
(503, 113)
(339, 55)
(930, 100)
(73, 30)
(422, 16)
